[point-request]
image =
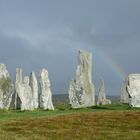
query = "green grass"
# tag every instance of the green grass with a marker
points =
(61, 109)
(116, 121)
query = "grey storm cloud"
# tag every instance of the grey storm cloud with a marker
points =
(36, 34)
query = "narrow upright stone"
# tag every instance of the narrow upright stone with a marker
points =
(6, 88)
(24, 96)
(19, 78)
(124, 98)
(27, 97)
(18, 84)
(82, 90)
(34, 87)
(45, 91)
(102, 100)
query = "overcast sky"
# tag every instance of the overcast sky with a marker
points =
(37, 34)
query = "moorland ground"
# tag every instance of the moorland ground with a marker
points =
(116, 121)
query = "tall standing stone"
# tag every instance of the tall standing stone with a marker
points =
(27, 97)
(82, 90)
(34, 87)
(18, 90)
(24, 96)
(6, 88)
(102, 100)
(124, 98)
(45, 91)
(19, 78)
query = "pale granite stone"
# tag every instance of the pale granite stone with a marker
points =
(18, 88)
(6, 88)
(24, 95)
(45, 91)
(124, 98)
(82, 90)
(130, 92)
(34, 87)
(102, 100)
(133, 89)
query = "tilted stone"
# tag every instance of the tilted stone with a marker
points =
(45, 91)
(102, 100)
(82, 90)
(6, 88)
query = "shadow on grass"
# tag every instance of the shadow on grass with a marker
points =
(115, 107)
(99, 107)
(67, 107)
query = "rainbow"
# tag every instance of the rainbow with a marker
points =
(114, 66)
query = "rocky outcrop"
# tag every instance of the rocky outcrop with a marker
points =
(102, 100)
(45, 91)
(81, 90)
(24, 97)
(34, 87)
(6, 88)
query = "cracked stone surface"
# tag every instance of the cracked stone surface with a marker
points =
(24, 96)
(130, 92)
(6, 88)
(34, 87)
(82, 90)
(45, 91)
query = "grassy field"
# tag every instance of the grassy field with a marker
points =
(116, 121)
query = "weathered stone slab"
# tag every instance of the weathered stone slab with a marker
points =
(131, 92)
(6, 88)
(82, 90)
(18, 84)
(102, 100)
(124, 98)
(133, 89)
(34, 87)
(24, 96)
(45, 91)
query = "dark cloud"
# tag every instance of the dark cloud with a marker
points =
(36, 34)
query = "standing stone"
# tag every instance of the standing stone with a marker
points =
(131, 92)
(34, 87)
(18, 87)
(82, 90)
(133, 89)
(124, 93)
(24, 97)
(102, 100)
(28, 100)
(6, 88)
(19, 78)
(45, 91)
